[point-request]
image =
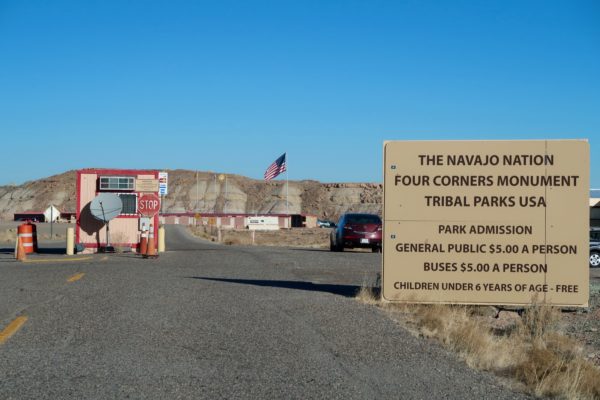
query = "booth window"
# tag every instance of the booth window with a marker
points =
(129, 203)
(117, 182)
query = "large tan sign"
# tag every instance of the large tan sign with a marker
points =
(486, 222)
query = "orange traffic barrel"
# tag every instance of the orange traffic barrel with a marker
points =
(28, 236)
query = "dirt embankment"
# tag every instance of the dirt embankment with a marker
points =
(38, 195)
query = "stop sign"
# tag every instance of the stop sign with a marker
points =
(148, 205)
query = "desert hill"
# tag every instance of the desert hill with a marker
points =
(206, 194)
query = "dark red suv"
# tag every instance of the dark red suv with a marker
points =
(356, 230)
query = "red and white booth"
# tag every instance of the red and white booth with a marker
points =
(138, 191)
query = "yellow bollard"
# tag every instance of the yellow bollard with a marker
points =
(70, 241)
(161, 239)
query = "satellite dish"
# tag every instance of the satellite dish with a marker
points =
(106, 206)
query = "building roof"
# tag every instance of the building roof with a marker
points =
(116, 171)
(594, 197)
(208, 215)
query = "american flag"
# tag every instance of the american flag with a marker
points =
(276, 168)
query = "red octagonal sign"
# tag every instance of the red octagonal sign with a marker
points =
(148, 205)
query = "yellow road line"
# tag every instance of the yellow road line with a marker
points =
(75, 277)
(11, 329)
(57, 260)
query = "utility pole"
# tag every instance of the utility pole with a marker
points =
(215, 189)
(223, 177)
(287, 186)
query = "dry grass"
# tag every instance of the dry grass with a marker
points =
(538, 321)
(535, 353)
(204, 232)
(368, 295)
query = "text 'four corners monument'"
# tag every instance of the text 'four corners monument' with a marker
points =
(486, 222)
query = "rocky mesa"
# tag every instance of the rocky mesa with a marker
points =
(203, 192)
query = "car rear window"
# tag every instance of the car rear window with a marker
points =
(363, 219)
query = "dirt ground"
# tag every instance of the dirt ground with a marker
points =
(316, 238)
(8, 231)
(584, 325)
(296, 237)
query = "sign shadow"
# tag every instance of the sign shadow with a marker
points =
(340, 290)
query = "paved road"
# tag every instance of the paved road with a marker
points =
(207, 322)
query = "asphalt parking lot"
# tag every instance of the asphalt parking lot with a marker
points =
(213, 321)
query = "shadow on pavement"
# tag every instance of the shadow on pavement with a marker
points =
(49, 250)
(191, 249)
(321, 250)
(55, 250)
(340, 290)
(308, 249)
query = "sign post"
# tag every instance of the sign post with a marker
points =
(163, 186)
(486, 222)
(163, 183)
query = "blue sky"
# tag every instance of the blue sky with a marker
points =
(228, 86)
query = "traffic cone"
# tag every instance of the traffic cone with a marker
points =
(21, 255)
(151, 248)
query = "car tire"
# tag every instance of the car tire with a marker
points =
(594, 259)
(376, 249)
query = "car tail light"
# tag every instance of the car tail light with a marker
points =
(379, 229)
